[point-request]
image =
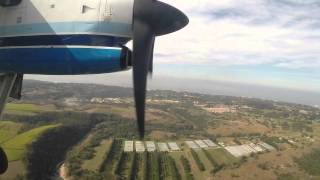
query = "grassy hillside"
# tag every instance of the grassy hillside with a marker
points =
(27, 109)
(100, 153)
(15, 147)
(8, 130)
(310, 162)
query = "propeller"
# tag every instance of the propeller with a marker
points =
(151, 18)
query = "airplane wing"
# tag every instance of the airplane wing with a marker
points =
(10, 85)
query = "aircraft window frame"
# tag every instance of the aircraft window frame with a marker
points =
(8, 3)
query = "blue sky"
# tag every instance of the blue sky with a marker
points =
(264, 42)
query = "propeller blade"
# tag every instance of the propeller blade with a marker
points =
(150, 18)
(143, 40)
(166, 19)
(151, 58)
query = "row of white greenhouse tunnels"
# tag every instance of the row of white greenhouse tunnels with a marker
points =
(235, 150)
(151, 146)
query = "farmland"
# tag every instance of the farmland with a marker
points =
(95, 122)
(100, 153)
(27, 109)
(8, 130)
(16, 146)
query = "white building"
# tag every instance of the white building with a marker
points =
(201, 144)
(140, 146)
(267, 146)
(210, 143)
(163, 147)
(128, 146)
(240, 150)
(247, 149)
(173, 146)
(192, 145)
(234, 150)
(151, 146)
(256, 147)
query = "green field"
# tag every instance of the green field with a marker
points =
(204, 160)
(15, 147)
(110, 163)
(8, 130)
(124, 166)
(176, 156)
(222, 156)
(101, 152)
(194, 167)
(140, 166)
(27, 109)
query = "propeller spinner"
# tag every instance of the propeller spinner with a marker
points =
(151, 18)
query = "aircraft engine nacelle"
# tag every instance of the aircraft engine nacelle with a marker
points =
(64, 60)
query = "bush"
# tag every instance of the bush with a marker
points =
(187, 168)
(310, 162)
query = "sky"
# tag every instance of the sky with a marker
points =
(267, 42)
(263, 42)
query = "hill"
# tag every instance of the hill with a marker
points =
(15, 147)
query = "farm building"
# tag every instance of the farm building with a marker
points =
(240, 150)
(266, 146)
(236, 151)
(151, 146)
(173, 146)
(163, 147)
(210, 143)
(201, 144)
(247, 149)
(257, 148)
(192, 145)
(140, 146)
(128, 146)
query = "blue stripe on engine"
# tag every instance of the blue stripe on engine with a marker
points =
(44, 40)
(60, 60)
(92, 27)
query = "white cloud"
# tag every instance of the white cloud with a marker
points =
(282, 33)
